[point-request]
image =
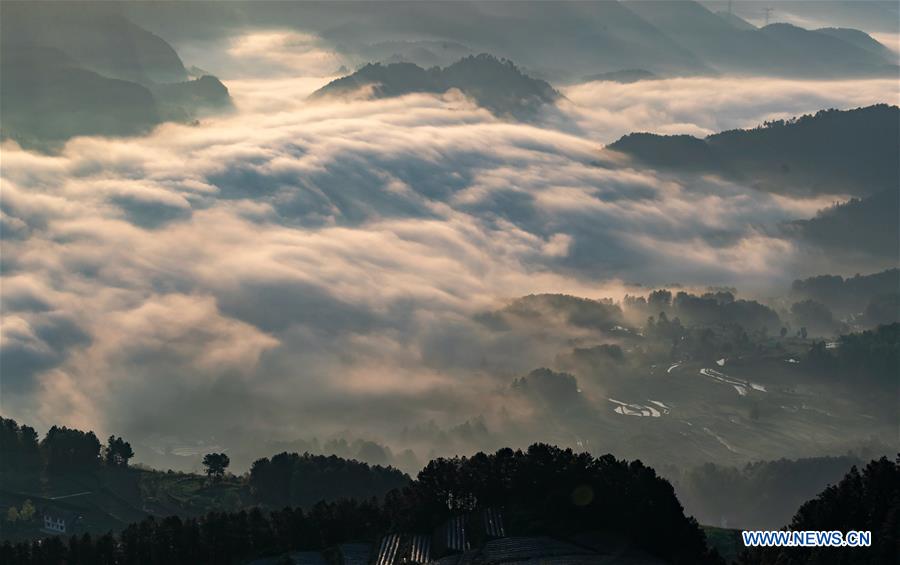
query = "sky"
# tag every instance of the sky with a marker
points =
(300, 269)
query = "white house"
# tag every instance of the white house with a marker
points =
(58, 521)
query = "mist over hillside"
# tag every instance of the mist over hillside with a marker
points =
(398, 232)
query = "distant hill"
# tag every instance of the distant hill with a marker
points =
(184, 100)
(672, 38)
(47, 98)
(726, 44)
(866, 225)
(624, 76)
(849, 295)
(762, 494)
(859, 39)
(736, 21)
(495, 84)
(831, 152)
(426, 54)
(68, 71)
(99, 40)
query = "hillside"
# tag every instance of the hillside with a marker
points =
(510, 505)
(848, 295)
(46, 97)
(866, 226)
(98, 39)
(727, 45)
(67, 73)
(495, 84)
(859, 39)
(670, 38)
(69, 471)
(832, 152)
(182, 101)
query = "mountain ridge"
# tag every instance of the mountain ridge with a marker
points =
(495, 84)
(831, 152)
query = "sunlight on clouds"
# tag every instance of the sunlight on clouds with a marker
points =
(606, 111)
(298, 255)
(287, 51)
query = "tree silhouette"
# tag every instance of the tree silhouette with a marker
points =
(69, 450)
(118, 452)
(215, 464)
(544, 490)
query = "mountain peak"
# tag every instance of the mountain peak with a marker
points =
(493, 83)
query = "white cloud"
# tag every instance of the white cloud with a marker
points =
(290, 258)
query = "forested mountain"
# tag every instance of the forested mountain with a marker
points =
(495, 84)
(865, 226)
(850, 295)
(720, 308)
(831, 152)
(46, 97)
(579, 38)
(99, 39)
(543, 491)
(776, 49)
(858, 38)
(871, 356)
(69, 69)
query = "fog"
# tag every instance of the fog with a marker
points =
(295, 269)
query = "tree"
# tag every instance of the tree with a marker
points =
(70, 450)
(118, 452)
(12, 515)
(215, 464)
(27, 512)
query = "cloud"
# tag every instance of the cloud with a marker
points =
(319, 267)
(605, 111)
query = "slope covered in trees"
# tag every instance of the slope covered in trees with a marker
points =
(495, 84)
(71, 69)
(776, 49)
(47, 97)
(867, 225)
(577, 38)
(302, 480)
(68, 461)
(99, 39)
(544, 490)
(853, 295)
(872, 357)
(831, 152)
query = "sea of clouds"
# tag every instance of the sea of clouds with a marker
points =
(309, 268)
